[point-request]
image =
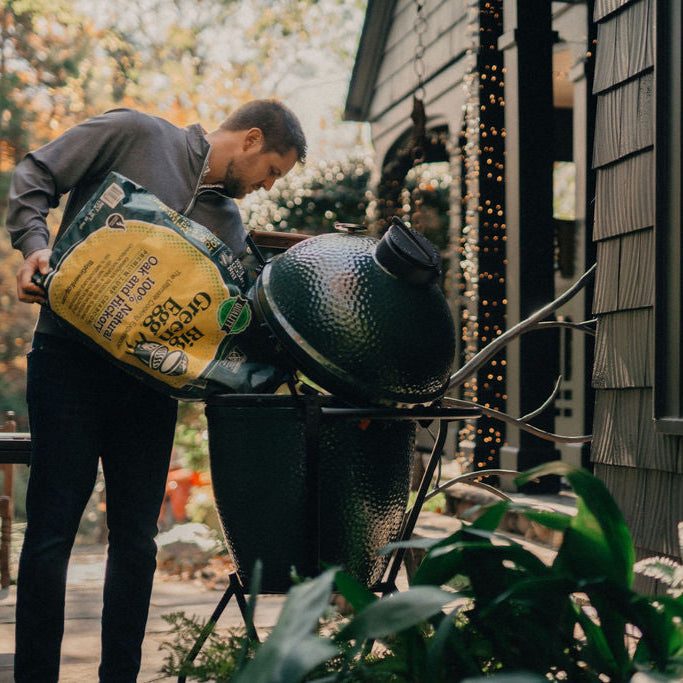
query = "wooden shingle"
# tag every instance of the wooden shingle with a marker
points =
(625, 119)
(622, 350)
(606, 294)
(624, 197)
(637, 270)
(639, 494)
(603, 8)
(633, 27)
(624, 433)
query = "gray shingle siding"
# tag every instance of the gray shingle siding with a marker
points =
(649, 499)
(632, 27)
(622, 350)
(625, 120)
(625, 196)
(605, 7)
(625, 279)
(643, 469)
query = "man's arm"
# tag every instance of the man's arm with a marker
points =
(43, 176)
(27, 290)
(32, 194)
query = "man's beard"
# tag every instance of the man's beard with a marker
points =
(232, 183)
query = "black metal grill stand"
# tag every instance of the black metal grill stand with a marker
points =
(314, 412)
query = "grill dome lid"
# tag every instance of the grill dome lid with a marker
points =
(362, 318)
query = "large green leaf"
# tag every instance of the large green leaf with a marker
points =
(442, 563)
(354, 591)
(396, 612)
(596, 651)
(290, 652)
(612, 619)
(447, 640)
(660, 620)
(520, 677)
(558, 521)
(444, 559)
(490, 518)
(481, 561)
(597, 542)
(507, 550)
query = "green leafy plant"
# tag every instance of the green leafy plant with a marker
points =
(482, 605)
(666, 570)
(313, 198)
(191, 445)
(218, 659)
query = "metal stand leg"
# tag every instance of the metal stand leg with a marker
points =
(389, 585)
(234, 588)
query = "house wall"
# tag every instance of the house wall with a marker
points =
(446, 41)
(573, 80)
(456, 48)
(452, 53)
(643, 469)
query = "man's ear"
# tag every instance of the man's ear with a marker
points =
(253, 139)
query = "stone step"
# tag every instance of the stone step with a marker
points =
(463, 497)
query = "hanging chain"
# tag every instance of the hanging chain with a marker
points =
(418, 114)
(418, 62)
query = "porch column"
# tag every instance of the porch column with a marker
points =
(582, 75)
(532, 362)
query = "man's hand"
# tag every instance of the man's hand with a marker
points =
(36, 262)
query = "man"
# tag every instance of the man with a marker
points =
(81, 407)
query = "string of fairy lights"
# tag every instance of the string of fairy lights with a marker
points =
(475, 281)
(482, 229)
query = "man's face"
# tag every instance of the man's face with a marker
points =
(255, 169)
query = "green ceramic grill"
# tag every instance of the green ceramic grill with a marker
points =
(300, 490)
(365, 320)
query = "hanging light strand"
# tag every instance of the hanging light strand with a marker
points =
(418, 115)
(418, 62)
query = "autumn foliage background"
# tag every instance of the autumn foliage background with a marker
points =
(63, 61)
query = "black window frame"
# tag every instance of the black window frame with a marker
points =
(668, 304)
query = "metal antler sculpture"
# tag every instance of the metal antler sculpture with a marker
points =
(533, 322)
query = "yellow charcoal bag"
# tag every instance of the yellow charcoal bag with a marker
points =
(160, 294)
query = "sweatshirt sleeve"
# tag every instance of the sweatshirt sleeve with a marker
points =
(44, 175)
(31, 195)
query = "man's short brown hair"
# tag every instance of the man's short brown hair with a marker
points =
(280, 126)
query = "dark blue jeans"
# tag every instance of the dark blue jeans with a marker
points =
(82, 409)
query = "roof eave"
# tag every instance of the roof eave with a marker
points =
(378, 18)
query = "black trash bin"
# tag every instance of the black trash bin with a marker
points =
(301, 490)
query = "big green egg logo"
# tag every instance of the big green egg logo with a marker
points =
(234, 315)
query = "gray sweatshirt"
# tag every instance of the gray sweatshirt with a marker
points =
(168, 161)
